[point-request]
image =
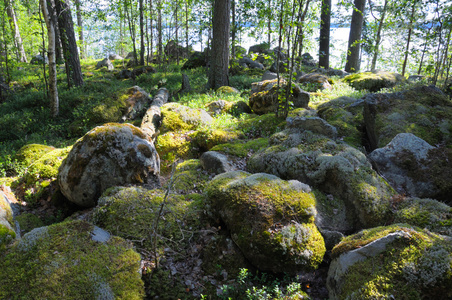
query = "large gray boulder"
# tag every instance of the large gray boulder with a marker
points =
(415, 168)
(249, 63)
(392, 262)
(105, 63)
(109, 155)
(315, 124)
(215, 162)
(271, 220)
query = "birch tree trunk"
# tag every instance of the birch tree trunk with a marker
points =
(20, 52)
(53, 90)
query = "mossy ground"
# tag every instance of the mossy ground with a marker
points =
(64, 262)
(132, 213)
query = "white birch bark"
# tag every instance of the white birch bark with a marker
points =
(52, 62)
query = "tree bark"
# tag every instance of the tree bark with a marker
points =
(160, 31)
(59, 57)
(67, 35)
(354, 39)
(219, 63)
(80, 28)
(53, 90)
(378, 37)
(410, 30)
(324, 43)
(20, 52)
(141, 33)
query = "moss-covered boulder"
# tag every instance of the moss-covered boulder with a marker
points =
(7, 232)
(190, 177)
(335, 169)
(270, 220)
(424, 213)
(71, 260)
(315, 81)
(227, 90)
(108, 155)
(424, 111)
(261, 126)
(28, 222)
(242, 148)
(133, 213)
(264, 97)
(346, 114)
(393, 262)
(217, 107)
(31, 152)
(178, 117)
(373, 81)
(137, 102)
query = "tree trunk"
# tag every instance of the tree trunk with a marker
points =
(152, 30)
(80, 28)
(410, 29)
(378, 37)
(59, 57)
(141, 33)
(129, 16)
(177, 30)
(269, 23)
(324, 43)
(186, 28)
(15, 30)
(52, 63)
(67, 35)
(160, 31)
(233, 29)
(354, 39)
(219, 63)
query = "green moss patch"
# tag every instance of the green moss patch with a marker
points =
(31, 152)
(241, 148)
(62, 261)
(132, 213)
(417, 265)
(373, 81)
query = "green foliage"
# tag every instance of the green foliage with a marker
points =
(261, 286)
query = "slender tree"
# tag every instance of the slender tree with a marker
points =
(379, 30)
(410, 31)
(53, 90)
(354, 40)
(20, 52)
(219, 62)
(67, 35)
(78, 13)
(324, 43)
(141, 32)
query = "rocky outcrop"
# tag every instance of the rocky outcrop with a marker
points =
(215, 162)
(314, 124)
(109, 155)
(270, 220)
(71, 260)
(196, 60)
(264, 97)
(354, 196)
(105, 63)
(315, 81)
(374, 81)
(384, 262)
(415, 168)
(424, 111)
